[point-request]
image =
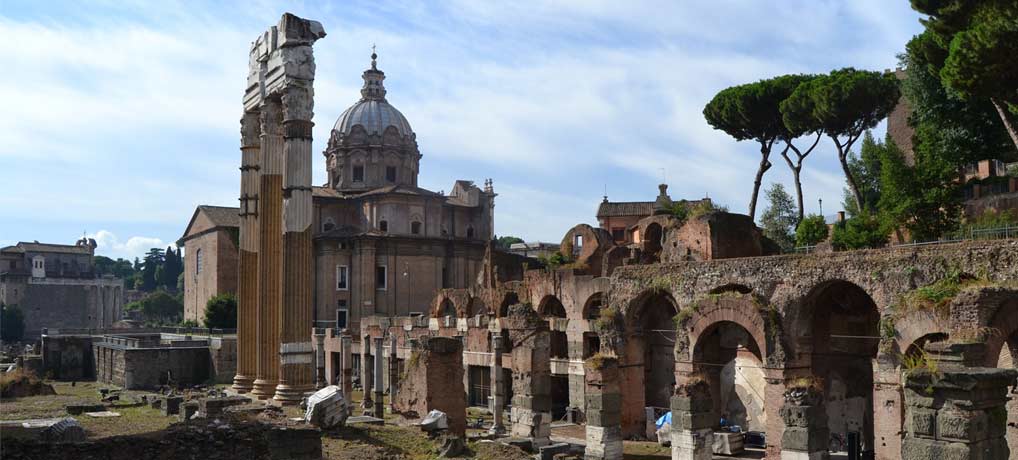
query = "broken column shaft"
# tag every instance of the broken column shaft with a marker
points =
(379, 409)
(497, 386)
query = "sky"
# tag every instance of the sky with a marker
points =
(120, 117)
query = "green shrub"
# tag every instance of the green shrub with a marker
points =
(221, 312)
(812, 230)
(861, 232)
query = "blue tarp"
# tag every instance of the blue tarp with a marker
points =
(667, 418)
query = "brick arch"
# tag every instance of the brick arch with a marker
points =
(441, 306)
(741, 310)
(477, 306)
(801, 312)
(508, 299)
(598, 299)
(1006, 323)
(551, 306)
(910, 328)
(732, 287)
(636, 306)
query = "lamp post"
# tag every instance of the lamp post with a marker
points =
(821, 200)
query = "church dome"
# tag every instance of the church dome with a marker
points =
(372, 112)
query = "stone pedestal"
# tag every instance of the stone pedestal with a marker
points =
(320, 381)
(693, 421)
(378, 407)
(603, 407)
(806, 434)
(347, 356)
(956, 412)
(367, 369)
(434, 381)
(393, 371)
(531, 409)
(497, 386)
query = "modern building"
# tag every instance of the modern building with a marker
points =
(210, 243)
(57, 286)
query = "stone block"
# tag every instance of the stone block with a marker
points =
(216, 406)
(602, 401)
(171, 406)
(548, 452)
(805, 439)
(188, 409)
(922, 422)
(693, 421)
(961, 425)
(685, 403)
(604, 418)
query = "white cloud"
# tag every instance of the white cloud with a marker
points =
(109, 245)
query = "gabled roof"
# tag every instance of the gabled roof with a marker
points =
(47, 247)
(625, 208)
(220, 216)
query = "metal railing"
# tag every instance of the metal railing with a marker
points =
(972, 234)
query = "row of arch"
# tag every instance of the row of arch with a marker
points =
(549, 306)
(734, 338)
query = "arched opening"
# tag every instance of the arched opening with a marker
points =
(1002, 350)
(844, 324)
(551, 307)
(470, 232)
(447, 309)
(383, 226)
(732, 362)
(510, 299)
(592, 308)
(652, 242)
(732, 287)
(477, 307)
(654, 342)
(915, 349)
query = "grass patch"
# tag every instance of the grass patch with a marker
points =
(938, 295)
(362, 442)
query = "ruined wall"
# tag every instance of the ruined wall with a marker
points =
(434, 381)
(68, 357)
(150, 368)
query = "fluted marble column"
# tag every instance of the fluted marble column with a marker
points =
(247, 288)
(270, 250)
(296, 375)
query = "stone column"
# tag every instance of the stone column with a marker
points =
(603, 407)
(320, 381)
(393, 372)
(296, 376)
(247, 282)
(888, 407)
(270, 250)
(497, 386)
(366, 371)
(693, 421)
(806, 434)
(531, 409)
(956, 412)
(377, 382)
(347, 356)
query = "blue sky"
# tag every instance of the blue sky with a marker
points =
(120, 117)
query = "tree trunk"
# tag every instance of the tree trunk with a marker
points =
(796, 169)
(843, 157)
(765, 152)
(1002, 111)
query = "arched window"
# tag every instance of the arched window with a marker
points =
(197, 263)
(415, 228)
(470, 232)
(383, 225)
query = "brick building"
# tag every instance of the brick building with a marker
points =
(56, 286)
(210, 242)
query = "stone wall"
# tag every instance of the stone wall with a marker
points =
(68, 357)
(150, 368)
(70, 303)
(433, 380)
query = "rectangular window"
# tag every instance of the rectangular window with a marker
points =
(390, 173)
(381, 277)
(415, 228)
(358, 173)
(341, 314)
(342, 278)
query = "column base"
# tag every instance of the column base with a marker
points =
(242, 383)
(263, 389)
(291, 394)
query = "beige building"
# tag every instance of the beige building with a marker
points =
(382, 245)
(210, 268)
(57, 286)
